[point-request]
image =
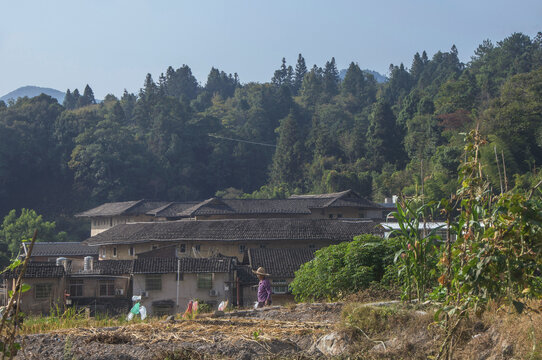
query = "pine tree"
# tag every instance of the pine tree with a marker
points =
(69, 102)
(417, 67)
(279, 77)
(288, 158)
(300, 72)
(330, 80)
(88, 96)
(76, 96)
(383, 138)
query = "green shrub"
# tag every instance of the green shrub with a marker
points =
(342, 269)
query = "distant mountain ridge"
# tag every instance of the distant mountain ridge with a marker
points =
(32, 91)
(378, 76)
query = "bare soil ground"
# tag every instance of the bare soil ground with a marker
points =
(386, 330)
(272, 333)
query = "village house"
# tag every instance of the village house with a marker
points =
(102, 287)
(208, 238)
(47, 285)
(108, 215)
(345, 204)
(74, 252)
(166, 285)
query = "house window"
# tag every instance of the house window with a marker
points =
(339, 216)
(182, 248)
(312, 246)
(154, 247)
(102, 252)
(331, 216)
(279, 286)
(114, 252)
(43, 291)
(263, 246)
(242, 248)
(107, 288)
(179, 277)
(205, 281)
(153, 282)
(131, 251)
(76, 287)
(197, 247)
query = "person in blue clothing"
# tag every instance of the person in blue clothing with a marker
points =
(264, 288)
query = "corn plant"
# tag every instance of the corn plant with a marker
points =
(417, 256)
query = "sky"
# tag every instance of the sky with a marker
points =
(112, 44)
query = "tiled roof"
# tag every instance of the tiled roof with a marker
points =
(296, 204)
(112, 267)
(58, 249)
(280, 263)
(172, 209)
(187, 265)
(138, 207)
(162, 252)
(37, 270)
(322, 196)
(236, 230)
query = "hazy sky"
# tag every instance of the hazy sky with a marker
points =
(113, 44)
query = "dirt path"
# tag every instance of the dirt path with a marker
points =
(255, 334)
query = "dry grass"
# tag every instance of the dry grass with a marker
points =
(404, 332)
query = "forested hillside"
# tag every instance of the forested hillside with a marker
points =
(303, 131)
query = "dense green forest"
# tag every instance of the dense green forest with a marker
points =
(304, 131)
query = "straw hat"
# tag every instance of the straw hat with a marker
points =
(260, 271)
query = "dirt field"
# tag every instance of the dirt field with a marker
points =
(276, 332)
(386, 330)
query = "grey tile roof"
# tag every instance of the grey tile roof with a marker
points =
(296, 204)
(236, 230)
(37, 270)
(138, 207)
(322, 196)
(162, 252)
(172, 209)
(112, 267)
(187, 265)
(58, 249)
(280, 263)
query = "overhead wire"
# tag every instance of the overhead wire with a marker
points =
(243, 141)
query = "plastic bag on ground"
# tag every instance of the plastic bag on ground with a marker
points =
(223, 305)
(195, 307)
(130, 316)
(255, 305)
(143, 312)
(135, 309)
(136, 298)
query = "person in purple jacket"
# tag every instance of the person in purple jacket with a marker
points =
(264, 288)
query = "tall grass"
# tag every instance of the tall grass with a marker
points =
(71, 318)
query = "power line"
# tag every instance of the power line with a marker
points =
(243, 141)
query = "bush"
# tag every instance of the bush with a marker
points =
(342, 269)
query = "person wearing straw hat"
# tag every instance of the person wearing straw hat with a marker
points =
(264, 288)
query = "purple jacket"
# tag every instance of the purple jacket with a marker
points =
(264, 290)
